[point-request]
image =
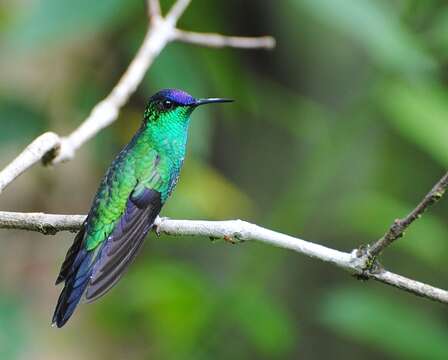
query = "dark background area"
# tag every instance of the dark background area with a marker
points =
(338, 131)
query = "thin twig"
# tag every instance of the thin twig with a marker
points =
(218, 40)
(412, 286)
(154, 11)
(235, 230)
(47, 224)
(176, 11)
(399, 226)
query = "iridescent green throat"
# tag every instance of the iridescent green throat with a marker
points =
(167, 132)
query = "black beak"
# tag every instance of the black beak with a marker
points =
(210, 101)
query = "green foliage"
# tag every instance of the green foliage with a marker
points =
(180, 308)
(49, 21)
(263, 321)
(20, 122)
(419, 112)
(175, 298)
(220, 199)
(13, 332)
(376, 28)
(384, 323)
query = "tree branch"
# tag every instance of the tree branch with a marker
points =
(154, 12)
(217, 40)
(32, 154)
(47, 224)
(236, 230)
(399, 226)
(176, 11)
(55, 149)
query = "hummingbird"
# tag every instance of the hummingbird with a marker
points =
(130, 196)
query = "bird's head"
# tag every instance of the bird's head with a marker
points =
(174, 105)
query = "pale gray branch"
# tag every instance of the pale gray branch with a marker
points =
(236, 230)
(41, 222)
(218, 40)
(176, 11)
(411, 286)
(32, 154)
(154, 11)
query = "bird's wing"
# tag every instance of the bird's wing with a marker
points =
(123, 243)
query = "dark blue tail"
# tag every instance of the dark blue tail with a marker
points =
(76, 281)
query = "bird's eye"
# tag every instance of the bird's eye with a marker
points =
(166, 104)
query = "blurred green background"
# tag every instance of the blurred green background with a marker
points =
(339, 130)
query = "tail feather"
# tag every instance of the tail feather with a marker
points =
(72, 254)
(75, 285)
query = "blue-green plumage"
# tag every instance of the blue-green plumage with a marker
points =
(130, 196)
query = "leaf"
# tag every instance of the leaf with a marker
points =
(397, 328)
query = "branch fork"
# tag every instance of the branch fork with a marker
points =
(399, 226)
